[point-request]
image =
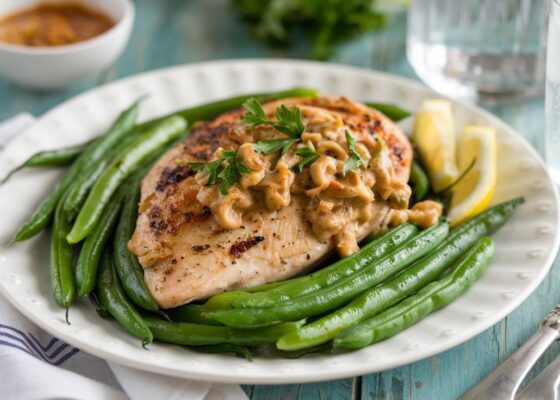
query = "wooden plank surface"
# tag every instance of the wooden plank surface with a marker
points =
(170, 32)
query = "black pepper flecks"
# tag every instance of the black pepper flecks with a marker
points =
(200, 247)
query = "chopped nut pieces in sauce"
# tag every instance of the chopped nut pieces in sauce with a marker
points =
(53, 24)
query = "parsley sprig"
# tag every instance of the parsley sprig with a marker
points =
(224, 171)
(288, 120)
(268, 147)
(355, 159)
(307, 155)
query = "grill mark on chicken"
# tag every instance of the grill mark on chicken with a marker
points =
(167, 223)
(205, 139)
(237, 249)
(157, 223)
(197, 217)
(172, 176)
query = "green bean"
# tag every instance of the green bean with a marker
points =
(51, 158)
(210, 110)
(409, 281)
(190, 313)
(92, 250)
(420, 182)
(91, 156)
(224, 300)
(304, 285)
(495, 216)
(88, 176)
(120, 129)
(267, 286)
(432, 297)
(63, 286)
(391, 111)
(189, 334)
(57, 157)
(113, 299)
(337, 294)
(141, 149)
(80, 189)
(129, 269)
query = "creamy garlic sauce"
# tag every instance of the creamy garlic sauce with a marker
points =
(337, 202)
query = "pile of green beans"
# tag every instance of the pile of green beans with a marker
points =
(359, 310)
(96, 203)
(393, 281)
(91, 156)
(432, 297)
(112, 298)
(412, 279)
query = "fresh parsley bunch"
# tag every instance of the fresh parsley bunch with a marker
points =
(326, 21)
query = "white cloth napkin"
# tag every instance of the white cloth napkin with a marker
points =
(35, 365)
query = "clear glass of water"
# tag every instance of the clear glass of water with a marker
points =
(481, 50)
(552, 109)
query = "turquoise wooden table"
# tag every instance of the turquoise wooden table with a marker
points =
(170, 32)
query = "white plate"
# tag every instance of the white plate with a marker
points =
(525, 246)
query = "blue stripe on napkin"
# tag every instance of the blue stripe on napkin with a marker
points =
(27, 342)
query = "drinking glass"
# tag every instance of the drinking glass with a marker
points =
(552, 97)
(481, 50)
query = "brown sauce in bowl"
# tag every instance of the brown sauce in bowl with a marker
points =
(53, 24)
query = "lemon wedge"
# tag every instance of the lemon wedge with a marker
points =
(474, 191)
(434, 135)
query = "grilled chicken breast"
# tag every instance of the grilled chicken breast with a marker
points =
(187, 255)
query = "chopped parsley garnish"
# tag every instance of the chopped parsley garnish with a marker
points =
(355, 160)
(288, 121)
(308, 155)
(219, 174)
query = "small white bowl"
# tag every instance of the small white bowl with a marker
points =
(58, 66)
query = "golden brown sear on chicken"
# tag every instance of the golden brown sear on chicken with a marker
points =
(278, 220)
